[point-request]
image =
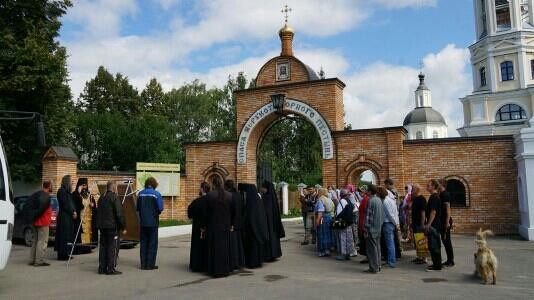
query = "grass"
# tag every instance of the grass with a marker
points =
(167, 223)
(293, 213)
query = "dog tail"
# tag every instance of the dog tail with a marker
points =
(481, 234)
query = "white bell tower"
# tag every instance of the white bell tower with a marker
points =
(502, 62)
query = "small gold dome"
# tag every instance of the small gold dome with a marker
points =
(286, 29)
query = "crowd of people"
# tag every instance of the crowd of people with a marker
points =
(107, 217)
(374, 220)
(234, 227)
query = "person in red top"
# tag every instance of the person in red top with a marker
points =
(363, 206)
(41, 209)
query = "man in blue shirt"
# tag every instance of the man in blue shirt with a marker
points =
(149, 207)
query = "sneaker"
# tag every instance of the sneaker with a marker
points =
(432, 268)
(305, 243)
(390, 266)
(43, 264)
(369, 271)
(31, 264)
(153, 268)
(340, 257)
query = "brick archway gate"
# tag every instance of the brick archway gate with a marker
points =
(261, 120)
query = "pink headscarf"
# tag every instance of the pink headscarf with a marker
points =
(350, 187)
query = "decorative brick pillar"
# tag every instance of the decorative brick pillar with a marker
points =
(58, 162)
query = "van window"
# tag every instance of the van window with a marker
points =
(2, 184)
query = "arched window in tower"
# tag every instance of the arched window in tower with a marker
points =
(532, 68)
(435, 134)
(457, 190)
(507, 71)
(510, 112)
(419, 135)
(421, 101)
(502, 14)
(482, 72)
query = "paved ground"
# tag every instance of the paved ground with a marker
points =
(297, 275)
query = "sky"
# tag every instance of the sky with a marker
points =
(377, 47)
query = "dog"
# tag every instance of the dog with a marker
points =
(485, 260)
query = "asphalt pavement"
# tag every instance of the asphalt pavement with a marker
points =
(299, 274)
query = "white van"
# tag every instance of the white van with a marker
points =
(7, 209)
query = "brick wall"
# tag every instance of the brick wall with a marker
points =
(488, 166)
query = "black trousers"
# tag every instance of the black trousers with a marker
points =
(434, 247)
(447, 243)
(107, 254)
(149, 246)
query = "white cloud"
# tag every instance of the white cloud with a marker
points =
(100, 18)
(405, 3)
(376, 96)
(381, 95)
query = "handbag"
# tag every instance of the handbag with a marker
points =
(339, 222)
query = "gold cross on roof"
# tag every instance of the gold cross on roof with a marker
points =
(286, 12)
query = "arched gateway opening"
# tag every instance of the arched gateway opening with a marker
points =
(261, 122)
(290, 151)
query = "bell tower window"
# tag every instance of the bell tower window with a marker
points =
(507, 71)
(482, 72)
(502, 14)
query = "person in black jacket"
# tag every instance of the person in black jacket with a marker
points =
(110, 222)
(65, 219)
(254, 231)
(41, 213)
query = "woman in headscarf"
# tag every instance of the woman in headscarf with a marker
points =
(355, 204)
(275, 229)
(80, 193)
(65, 218)
(254, 229)
(406, 207)
(197, 257)
(323, 210)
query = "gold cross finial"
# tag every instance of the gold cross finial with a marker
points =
(286, 12)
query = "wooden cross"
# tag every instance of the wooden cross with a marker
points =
(286, 12)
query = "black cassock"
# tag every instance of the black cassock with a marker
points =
(218, 220)
(237, 253)
(254, 230)
(275, 229)
(64, 224)
(198, 254)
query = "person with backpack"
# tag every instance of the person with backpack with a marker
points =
(343, 223)
(374, 218)
(39, 213)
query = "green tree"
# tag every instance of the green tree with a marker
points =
(153, 98)
(33, 77)
(111, 140)
(108, 93)
(292, 148)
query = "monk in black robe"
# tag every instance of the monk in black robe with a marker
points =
(81, 191)
(65, 218)
(217, 224)
(254, 230)
(272, 249)
(237, 253)
(198, 254)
